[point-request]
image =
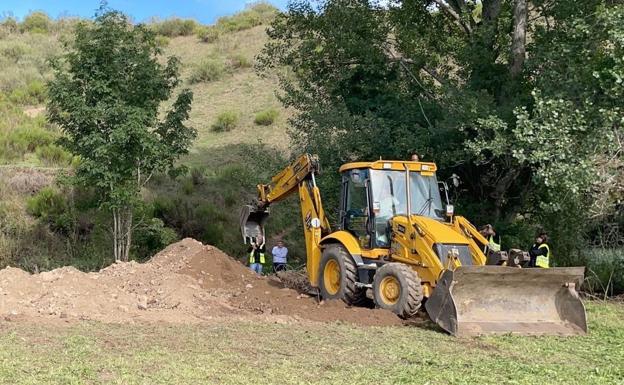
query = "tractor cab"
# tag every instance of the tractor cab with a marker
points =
(375, 192)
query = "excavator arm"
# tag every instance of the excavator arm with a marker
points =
(299, 176)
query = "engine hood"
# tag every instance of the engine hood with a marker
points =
(439, 232)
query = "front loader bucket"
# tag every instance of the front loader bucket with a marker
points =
(477, 300)
(252, 222)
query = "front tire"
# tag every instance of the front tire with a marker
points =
(397, 287)
(338, 276)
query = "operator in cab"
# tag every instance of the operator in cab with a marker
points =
(540, 252)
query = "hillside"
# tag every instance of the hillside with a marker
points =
(224, 164)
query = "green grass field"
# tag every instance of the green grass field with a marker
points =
(306, 353)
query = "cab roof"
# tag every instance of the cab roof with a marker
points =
(398, 165)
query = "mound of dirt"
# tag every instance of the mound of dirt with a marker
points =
(186, 282)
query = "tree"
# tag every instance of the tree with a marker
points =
(106, 95)
(518, 97)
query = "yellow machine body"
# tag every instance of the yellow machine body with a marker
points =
(396, 239)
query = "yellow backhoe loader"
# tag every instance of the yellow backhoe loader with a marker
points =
(398, 239)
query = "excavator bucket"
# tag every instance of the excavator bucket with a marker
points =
(252, 222)
(478, 300)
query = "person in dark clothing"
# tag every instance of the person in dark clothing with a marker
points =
(256, 252)
(540, 252)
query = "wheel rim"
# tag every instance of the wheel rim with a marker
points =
(331, 277)
(390, 290)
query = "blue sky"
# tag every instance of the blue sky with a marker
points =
(205, 11)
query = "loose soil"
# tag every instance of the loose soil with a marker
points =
(187, 282)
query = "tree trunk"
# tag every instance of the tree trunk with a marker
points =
(518, 44)
(122, 233)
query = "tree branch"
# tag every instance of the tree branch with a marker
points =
(454, 14)
(518, 44)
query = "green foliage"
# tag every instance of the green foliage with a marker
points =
(266, 117)
(36, 22)
(207, 70)
(151, 237)
(24, 139)
(605, 270)
(106, 98)
(9, 25)
(53, 155)
(50, 206)
(174, 27)
(239, 60)
(226, 121)
(208, 34)
(33, 93)
(255, 14)
(532, 141)
(162, 41)
(14, 52)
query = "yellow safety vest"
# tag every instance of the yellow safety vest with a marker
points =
(493, 245)
(252, 259)
(543, 260)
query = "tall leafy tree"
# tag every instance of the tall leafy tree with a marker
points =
(106, 97)
(518, 97)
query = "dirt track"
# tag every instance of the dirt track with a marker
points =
(187, 282)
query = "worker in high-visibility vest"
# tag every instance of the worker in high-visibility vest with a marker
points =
(256, 251)
(540, 252)
(494, 242)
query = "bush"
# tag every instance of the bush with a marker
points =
(256, 14)
(162, 41)
(208, 34)
(33, 93)
(226, 121)
(239, 61)
(152, 237)
(14, 52)
(207, 71)
(605, 270)
(53, 155)
(50, 206)
(37, 22)
(24, 139)
(266, 117)
(9, 25)
(175, 27)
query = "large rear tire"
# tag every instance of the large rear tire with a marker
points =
(338, 276)
(397, 287)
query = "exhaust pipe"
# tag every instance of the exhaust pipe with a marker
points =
(480, 300)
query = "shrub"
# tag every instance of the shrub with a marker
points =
(266, 117)
(197, 176)
(605, 270)
(50, 206)
(33, 93)
(52, 155)
(22, 140)
(208, 34)
(239, 61)
(162, 41)
(10, 25)
(256, 14)
(152, 237)
(175, 27)
(207, 71)
(37, 22)
(226, 121)
(14, 52)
